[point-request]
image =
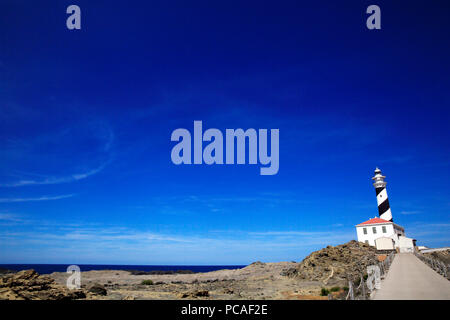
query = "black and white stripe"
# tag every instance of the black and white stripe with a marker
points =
(384, 209)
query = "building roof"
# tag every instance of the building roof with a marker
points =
(374, 221)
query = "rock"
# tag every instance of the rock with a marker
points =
(228, 291)
(335, 264)
(443, 256)
(201, 293)
(194, 294)
(29, 285)
(159, 272)
(257, 263)
(6, 271)
(99, 289)
(291, 272)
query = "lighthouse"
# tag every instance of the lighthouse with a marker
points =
(381, 232)
(384, 210)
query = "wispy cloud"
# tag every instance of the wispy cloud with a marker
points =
(146, 246)
(112, 235)
(55, 145)
(56, 180)
(439, 225)
(397, 159)
(289, 233)
(430, 234)
(217, 202)
(9, 217)
(409, 212)
(306, 238)
(43, 198)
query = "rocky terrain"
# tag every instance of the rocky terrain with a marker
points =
(29, 285)
(443, 256)
(283, 280)
(336, 265)
(256, 281)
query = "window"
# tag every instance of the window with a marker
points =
(374, 230)
(384, 229)
(365, 230)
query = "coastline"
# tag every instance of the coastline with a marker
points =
(328, 269)
(50, 268)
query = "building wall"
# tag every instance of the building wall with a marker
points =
(399, 231)
(371, 236)
(406, 244)
(385, 243)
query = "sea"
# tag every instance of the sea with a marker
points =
(49, 268)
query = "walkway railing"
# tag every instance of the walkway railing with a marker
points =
(435, 264)
(362, 288)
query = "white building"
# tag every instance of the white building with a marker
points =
(375, 228)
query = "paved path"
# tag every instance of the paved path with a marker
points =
(409, 278)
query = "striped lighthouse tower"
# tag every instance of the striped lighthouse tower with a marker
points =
(384, 209)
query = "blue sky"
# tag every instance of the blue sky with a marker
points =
(86, 118)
